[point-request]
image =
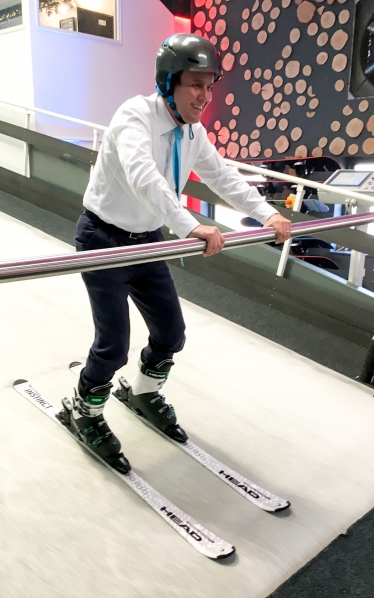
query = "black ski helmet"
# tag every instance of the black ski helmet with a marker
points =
(184, 52)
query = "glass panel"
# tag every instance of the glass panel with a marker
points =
(10, 14)
(93, 17)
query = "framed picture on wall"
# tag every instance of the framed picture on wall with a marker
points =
(69, 24)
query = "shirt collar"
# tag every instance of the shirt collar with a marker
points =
(166, 122)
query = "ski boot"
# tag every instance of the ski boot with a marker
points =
(149, 403)
(83, 416)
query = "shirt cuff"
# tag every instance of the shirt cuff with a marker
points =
(183, 224)
(263, 212)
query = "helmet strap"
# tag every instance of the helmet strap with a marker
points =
(169, 97)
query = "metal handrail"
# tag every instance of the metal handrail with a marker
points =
(366, 199)
(100, 259)
(70, 118)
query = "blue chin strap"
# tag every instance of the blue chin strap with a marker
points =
(169, 97)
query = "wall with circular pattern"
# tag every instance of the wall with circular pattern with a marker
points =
(286, 86)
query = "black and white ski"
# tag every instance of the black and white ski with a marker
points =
(255, 494)
(196, 534)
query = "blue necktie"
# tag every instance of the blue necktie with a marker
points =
(176, 156)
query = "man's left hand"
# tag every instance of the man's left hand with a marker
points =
(281, 225)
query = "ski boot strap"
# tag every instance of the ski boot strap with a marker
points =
(158, 371)
(91, 402)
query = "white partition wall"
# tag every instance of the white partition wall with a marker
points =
(16, 85)
(87, 76)
(75, 74)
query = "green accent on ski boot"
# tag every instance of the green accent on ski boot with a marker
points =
(91, 399)
(154, 374)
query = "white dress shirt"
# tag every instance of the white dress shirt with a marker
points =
(132, 185)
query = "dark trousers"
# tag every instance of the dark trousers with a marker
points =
(151, 288)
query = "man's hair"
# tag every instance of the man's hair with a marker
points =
(177, 79)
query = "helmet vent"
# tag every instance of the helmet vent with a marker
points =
(193, 60)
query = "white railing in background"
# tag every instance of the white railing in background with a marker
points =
(351, 198)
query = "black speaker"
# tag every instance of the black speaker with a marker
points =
(180, 8)
(362, 64)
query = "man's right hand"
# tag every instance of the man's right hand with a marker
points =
(213, 237)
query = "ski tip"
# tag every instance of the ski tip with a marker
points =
(220, 557)
(74, 364)
(20, 381)
(283, 507)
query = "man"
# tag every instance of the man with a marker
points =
(132, 193)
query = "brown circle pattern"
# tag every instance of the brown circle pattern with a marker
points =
(278, 81)
(347, 110)
(287, 51)
(282, 144)
(355, 127)
(363, 106)
(262, 37)
(274, 14)
(312, 29)
(339, 39)
(322, 58)
(344, 17)
(339, 85)
(223, 135)
(353, 149)
(296, 133)
(337, 146)
(230, 98)
(225, 42)
(255, 149)
(228, 62)
(220, 27)
(288, 89)
(258, 21)
(305, 12)
(232, 149)
(322, 39)
(209, 19)
(292, 69)
(328, 19)
(339, 62)
(368, 146)
(295, 35)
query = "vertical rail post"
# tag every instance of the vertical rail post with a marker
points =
(357, 260)
(287, 245)
(26, 162)
(95, 145)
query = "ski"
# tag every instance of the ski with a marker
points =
(203, 540)
(253, 492)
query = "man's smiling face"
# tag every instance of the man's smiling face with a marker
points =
(193, 95)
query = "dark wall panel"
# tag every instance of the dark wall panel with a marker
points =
(287, 73)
